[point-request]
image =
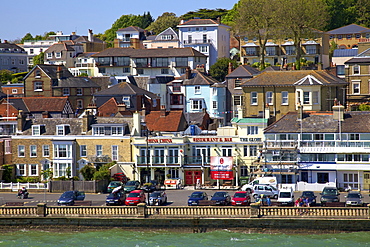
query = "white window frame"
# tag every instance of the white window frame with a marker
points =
(284, 98)
(65, 149)
(83, 150)
(33, 151)
(356, 71)
(8, 146)
(36, 130)
(38, 86)
(33, 170)
(21, 170)
(14, 91)
(254, 98)
(356, 87)
(252, 130)
(49, 55)
(114, 152)
(203, 48)
(306, 98)
(126, 101)
(21, 148)
(58, 54)
(45, 150)
(214, 104)
(60, 130)
(214, 91)
(197, 90)
(196, 104)
(269, 98)
(99, 150)
(66, 91)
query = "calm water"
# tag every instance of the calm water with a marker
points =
(140, 239)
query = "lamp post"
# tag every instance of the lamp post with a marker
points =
(147, 155)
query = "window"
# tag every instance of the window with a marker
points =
(204, 38)
(203, 48)
(79, 91)
(252, 130)
(253, 150)
(356, 87)
(254, 98)
(176, 99)
(164, 71)
(60, 130)
(269, 100)
(45, 150)
(315, 97)
(114, 152)
(306, 98)
(83, 150)
(214, 91)
(58, 55)
(284, 98)
(238, 100)
(65, 91)
(339, 36)
(62, 151)
(31, 51)
(226, 151)
(36, 130)
(354, 136)
(14, 91)
(190, 39)
(37, 86)
(99, 150)
(49, 55)
(21, 170)
(140, 71)
(32, 170)
(176, 87)
(349, 36)
(196, 104)
(33, 151)
(214, 104)
(8, 147)
(197, 89)
(79, 104)
(21, 151)
(126, 101)
(126, 70)
(181, 61)
(289, 50)
(238, 82)
(356, 69)
(166, 37)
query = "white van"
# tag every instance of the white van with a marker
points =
(259, 180)
(286, 196)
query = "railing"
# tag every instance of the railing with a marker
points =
(29, 186)
(142, 160)
(197, 41)
(294, 143)
(42, 210)
(79, 65)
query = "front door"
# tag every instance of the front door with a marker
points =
(366, 180)
(192, 176)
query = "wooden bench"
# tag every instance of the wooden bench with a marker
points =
(14, 204)
(83, 203)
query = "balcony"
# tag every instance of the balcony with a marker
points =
(159, 160)
(197, 41)
(84, 65)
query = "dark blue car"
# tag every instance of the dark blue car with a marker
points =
(195, 197)
(69, 197)
(221, 198)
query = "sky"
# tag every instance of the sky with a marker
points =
(39, 16)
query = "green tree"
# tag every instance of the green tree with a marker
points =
(163, 22)
(88, 172)
(257, 19)
(47, 174)
(28, 36)
(38, 59)
(204, 14)
(5, 75)
(219, 69)
(229, 18)
(299, 19)
(103, 173)
(7, 173)
(146, 20)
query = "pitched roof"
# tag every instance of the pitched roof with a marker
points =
(83, 39)
(345, 52)
(168, 31)
(201, 22)
(198, 78)
(144, 53)
(10, 46)
(321, 122)
(243, 71)
(125, 88)
(131, 28)
(363, 57)
(349, 29)
(41, 104)
(289, 78)
(165, 121)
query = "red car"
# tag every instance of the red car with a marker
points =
(241, 198)
(135, 197)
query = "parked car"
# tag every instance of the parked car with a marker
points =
(117, 198)
(311, 197)
(135, 197)
(114, 184)
(286, 196)
(266, 190)
(329, 194)
(354, 199)
(221, 198)
(69, 197)
(131, 186)
(195, 197)
(151, 186)
(157, 198)
(241, 198)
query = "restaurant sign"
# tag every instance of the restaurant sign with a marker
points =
(222, 168)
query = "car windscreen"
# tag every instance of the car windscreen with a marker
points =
(285, 195)
(196, 195)
(308, 194)
(219, 194)
(114, 195)
(130, 183)
(114, 183)
(67, 194)
(240, 195)
(353, 195)
(134, 195)
(330, 192)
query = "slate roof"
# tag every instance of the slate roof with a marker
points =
(83, 39)
(243, 71)
(321, 122)
(144, 53)
(170, 122)
(125, 88)
(131, 28)
(62, 46)
(289, 78)
(40, 104)
(198, 78)
(345, 52)
(363, 57)
(168, 31)
(10, 46)
(200, 22)
(349, 29)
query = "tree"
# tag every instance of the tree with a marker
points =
(256, 19)
(28, 36)
(103, 173)
(47, 174)
(299, 18)
(146, 20)
(88, 172)
(38, 59)
(204, 14)
(163, 22)
(5, 75)
(219, 69)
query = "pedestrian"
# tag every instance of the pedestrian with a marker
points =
(268, 200)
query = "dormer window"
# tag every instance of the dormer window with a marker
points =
(65, 91)
(62, 130)
(126, 101)
(108, 130)
(49, 55)
(58, 55)
(38, 130)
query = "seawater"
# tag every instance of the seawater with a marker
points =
(224, 238)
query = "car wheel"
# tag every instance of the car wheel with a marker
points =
(275, 196)
(248, 190)
(255, 196)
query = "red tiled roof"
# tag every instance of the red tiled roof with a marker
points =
(51, 104)
(157, 121)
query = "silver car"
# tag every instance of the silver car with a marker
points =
(157, 198)
(354, 199)
(265, 190)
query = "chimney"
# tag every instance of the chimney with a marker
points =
(300, 112)
(87, 120)
(267, 111)
(121, 107)
(90, 36)
(187, 73)
(136, 124)
(218, 20)
(163, 111)
(59, 72)
(73, 33)
(338, 112)
(45, 114)
(230, 68)
(21, 120)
